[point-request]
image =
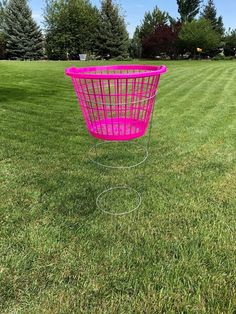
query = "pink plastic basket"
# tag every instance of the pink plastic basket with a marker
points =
(116, 101)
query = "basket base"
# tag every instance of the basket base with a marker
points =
(118, 129)
(125, 194)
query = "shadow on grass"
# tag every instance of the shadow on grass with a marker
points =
(18, 93)
(69, 191)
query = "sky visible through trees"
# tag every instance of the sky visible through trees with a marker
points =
(134, 10)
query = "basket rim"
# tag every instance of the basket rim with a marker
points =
(83, 72)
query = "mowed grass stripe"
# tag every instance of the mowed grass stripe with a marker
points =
(186, 88)
(211, 103)
(221, 113)
(202, 105)
(178, 79)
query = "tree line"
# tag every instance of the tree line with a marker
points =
(195, 32)
(72, 27)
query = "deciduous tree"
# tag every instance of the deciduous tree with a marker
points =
(199, 34)
(230, 43)
(152, 19)
(163, 40)
(70, 28)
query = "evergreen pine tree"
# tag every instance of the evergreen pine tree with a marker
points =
(112, 36)
(220, 26)
(2, 38)
(151, 20)
(188, 9)
(23, 36)
(135, 44)
(210, 13)
(2, 8)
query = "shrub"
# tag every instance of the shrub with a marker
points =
(121, 58)
(220, 57)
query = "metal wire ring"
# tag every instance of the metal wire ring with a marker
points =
(118, 167)
(107, 103)
(114, 188)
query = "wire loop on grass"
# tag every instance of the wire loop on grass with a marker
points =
(125, 187)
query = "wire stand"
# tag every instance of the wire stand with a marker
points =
(117, 104)
(93, 157)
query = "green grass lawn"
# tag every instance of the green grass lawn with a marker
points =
(60, 254)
